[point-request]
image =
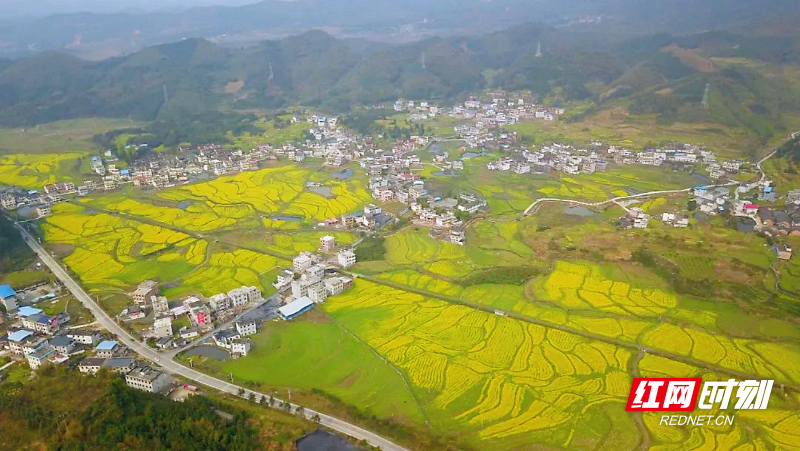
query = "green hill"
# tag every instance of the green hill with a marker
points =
(751, 77)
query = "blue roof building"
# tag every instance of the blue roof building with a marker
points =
(26, 311)
(19, 335)
(7, 292)
(107, 345)
(296, 308)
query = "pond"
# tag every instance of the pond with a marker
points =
(324, 191)
(346, 174)
(286, 218)
(184, 205)
(471, 155)
(444, 173)
(701, 179)
(578, 210)
(209, 351)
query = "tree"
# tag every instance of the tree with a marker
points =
(692, 205)
(271, 400)
(241, 391)
(299, 410)
(315, 418)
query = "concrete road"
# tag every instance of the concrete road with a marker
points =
(172, 367)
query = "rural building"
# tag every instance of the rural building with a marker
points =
(327, 243)
(303, 261)
(85, 337)
(147, 379)
(160, 304)
(106, 349)
(241, 346)
(296, 308)
(305, 286)
(145, 291)
(62, 344)
(783, 251)
(39, 358)
(162, 327)
(41, 323)
(18, 339)
(90, 365)
(284, 278)
(8, 297)
(244, 295)
(246, 328)
(219, 302)
(347, 258)
(119, 365)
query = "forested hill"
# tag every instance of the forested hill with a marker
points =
(65, 410)
(660, 74)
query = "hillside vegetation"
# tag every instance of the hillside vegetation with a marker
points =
(14, 253)
(751, 79)
(62, 409)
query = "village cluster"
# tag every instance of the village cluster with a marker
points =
(313, 278)
(574, 160)
(202, 313)
(41, 340)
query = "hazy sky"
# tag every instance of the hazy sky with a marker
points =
(9, 8)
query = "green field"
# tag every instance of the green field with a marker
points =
(322, 355)
(59, 137)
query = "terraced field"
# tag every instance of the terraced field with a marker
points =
(505, 383)
(270, 191)
(108, 252)
(488, 245)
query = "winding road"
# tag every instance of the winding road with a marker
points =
(532, 208)
(172, 367)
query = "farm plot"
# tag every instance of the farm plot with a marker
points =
(581, 287)
(415, 247)
(196, 217)
(272, 190)
(502, 381)
(34, 171)
(110, 251)
(488, 245)
(228, 270)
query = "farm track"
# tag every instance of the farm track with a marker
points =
(582, 333)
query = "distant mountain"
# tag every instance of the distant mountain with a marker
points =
(749, 78)
(119, 32)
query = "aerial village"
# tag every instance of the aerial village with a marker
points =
(394, 172)
(40, 339)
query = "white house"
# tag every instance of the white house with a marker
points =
(347, 258)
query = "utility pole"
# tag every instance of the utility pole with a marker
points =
(423, 61)
(539, 50)
(166, 96)
(271, 74)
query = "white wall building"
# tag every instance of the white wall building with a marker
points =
(347, 258)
